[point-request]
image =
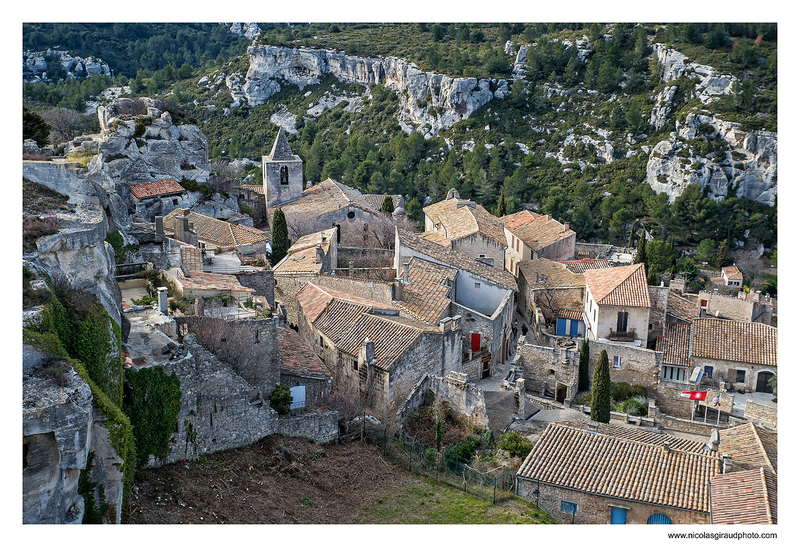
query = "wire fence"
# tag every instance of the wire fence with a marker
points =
(494, 485)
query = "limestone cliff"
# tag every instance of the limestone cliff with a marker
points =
(429, 102)
(35, 65)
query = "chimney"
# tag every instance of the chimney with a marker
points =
(726, 463)
(320, 255)
(714, 441)
(405, 271)
(566, 226)
(665, 447)
(162, 300)
(369, 350)
(444, 324)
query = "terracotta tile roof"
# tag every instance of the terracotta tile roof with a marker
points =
(301, 257)
(601, 464)
(218, 232)
(462, 218)
(732, 272)
(376, 200)
(567, 313)
(314, 299)
(681, 309)
(657, 438)
(338, 317)
(536, 231)
(154, 188)
(746, 497)
(425, 296)
(750, 446)
(584, 264)
(212, 281)
(326, 197)
(736, 341)
(393, 337)
(439, 254)
(437, 237)
(550, 274)
(297, 358)
(675, 344)
(620, 286)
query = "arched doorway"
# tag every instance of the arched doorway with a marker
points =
(659, 518)
(762, 383)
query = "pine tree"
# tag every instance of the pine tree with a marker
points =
(280, 237)
(387, 207)
(583, 369)
(601, 390)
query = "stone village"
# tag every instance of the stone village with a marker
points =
(489, 313)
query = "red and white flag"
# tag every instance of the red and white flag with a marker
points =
(694, 395)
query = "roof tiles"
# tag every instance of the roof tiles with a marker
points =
(737, 341)
(462, 218)
(155, 188)
(297, 358)
(675, 344)
(536, 231)
(746, 497)
(750, 446)
(620, 286)
(219, 232)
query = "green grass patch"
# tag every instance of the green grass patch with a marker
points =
(427, 501)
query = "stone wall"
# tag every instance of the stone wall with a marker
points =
(463, 398)
(263, 282)
(547, 369)
(191, 258)
(735, 307)
(254, 202)
(286, 287)
(761, 414)
(477, 244)
(363, 258)
(636, 365)
(378, 291)
(563, 249)
(322, 427)
(594, 509)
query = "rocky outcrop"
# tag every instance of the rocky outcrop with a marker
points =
(710, 86)
(35, 65)
(663, 107)
(429, 102)
(749, 165)
(248, 30)
(163, 150)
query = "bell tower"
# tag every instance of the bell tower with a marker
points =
(283, 173)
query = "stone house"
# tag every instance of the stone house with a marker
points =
(745, 497)
(251, 200)
(617, 304)
(371, 350)
(667, 307)
(466, 227)
(482, 295)
(556, 291)
(751, 307)
(583, 475)
(326, 205)
(155, 198)
(212, 233)
(530, 235)
(302, 370)
(207, 285)
(732, 276)
(740, 355)
(749, 447)
(313, 254)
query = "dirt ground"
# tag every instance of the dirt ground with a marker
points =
(278, 480)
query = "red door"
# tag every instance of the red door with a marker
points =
(476, 341)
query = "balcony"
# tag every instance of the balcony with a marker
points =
(622, 336)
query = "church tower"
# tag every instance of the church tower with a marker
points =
(283, 173)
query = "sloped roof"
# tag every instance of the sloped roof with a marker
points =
(301, 257)
(606, 465)
(462, 218)
(750, 446)
(281, 151)
(536, 231)
(620, 286)
(297, 358)
(550, 275)
(376, 200)
(681, 309)
(737, 341)
(314, 299)
(154, 188)
(218, 232)
(732, 272)
(326, 197)
(425, 296)
(443, 255)
(746, 497)
(675, 344)
(656, 438)
(393, 337)
(212, 281)
(584, 264)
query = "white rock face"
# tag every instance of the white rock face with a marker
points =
(248, 30)
(675, 64)
(34, 65)
(663, 107)
(751, 163)
(429, 102)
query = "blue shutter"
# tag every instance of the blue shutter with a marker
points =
(561, 327)
(618, 515)
(573, 328)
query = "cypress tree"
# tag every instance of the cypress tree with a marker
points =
(501, 206)
(387, 207)
(583, 370)
(601, 390)
(280, 237)
(641, 253)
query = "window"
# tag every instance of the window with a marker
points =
(320, 341)
(622, 321)
(284, 175)
(477, 285)
(355, 364)
(568, 507)
(709, 371)
(673, 373)
(617, 361)
(532, 257)
(351, 215)
(740, 374)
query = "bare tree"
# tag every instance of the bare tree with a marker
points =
(64, 123)
(551, 298)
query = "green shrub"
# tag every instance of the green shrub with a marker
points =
(152, 402)
(281, 399)
(635, 406)
(620, 391)
(515, 444)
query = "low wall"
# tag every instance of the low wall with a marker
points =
(761, 414)
(322, 427)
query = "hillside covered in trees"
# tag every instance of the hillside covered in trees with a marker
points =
(572, 137)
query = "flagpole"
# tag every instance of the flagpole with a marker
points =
(705, 416)
(692, 409)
